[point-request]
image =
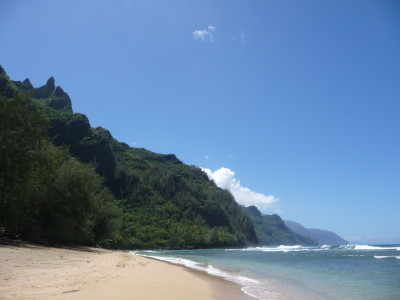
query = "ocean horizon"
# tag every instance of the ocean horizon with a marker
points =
(299, 272)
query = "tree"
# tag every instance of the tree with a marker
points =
(44, 192)
(22, 133)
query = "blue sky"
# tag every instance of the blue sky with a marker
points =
(293, 105)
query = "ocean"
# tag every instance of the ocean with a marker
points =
(297, 272)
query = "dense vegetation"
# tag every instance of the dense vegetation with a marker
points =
(271, 230)
(62, 180)
(44, 192)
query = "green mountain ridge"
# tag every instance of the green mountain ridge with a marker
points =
(162, 202)
(137, 199)
(272, 231)
(323, 237)
(48, 94)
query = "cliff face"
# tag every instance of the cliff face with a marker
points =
(164, 203)
(324, 237)
(49, 94)
(271, 230)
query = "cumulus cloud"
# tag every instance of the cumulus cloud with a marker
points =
(206, 35)
(225, 179)
(200, 35)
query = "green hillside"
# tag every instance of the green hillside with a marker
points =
(65, 181)
(137, 198)
(271, 230)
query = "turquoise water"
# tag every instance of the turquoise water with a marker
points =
(296, 272)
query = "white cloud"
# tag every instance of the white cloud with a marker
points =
(239, 37)
(208, 172)
(200, 34)
(206, 35)
(225, 179)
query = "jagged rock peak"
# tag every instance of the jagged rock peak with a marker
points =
(24, 86)
(46, 90)
(60, 92)
(52, 96)
(27, 83)
(51, 83)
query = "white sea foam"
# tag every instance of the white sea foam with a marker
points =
(242, 280)
(387, 256)
(250, 286)
(290, 247)
(275, 283)
(283, 248)
(249, 249)
(260, 294)
(367, 247)
(298, 248)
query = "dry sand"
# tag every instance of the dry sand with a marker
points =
(37, 272)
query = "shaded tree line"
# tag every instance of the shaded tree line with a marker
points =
(44, 191)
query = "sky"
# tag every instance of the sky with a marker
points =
(292, 105)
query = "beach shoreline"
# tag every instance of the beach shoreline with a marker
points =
(30, 271)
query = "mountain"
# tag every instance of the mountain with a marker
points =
(65, 181)
(48, 94)
(324, 237)
(161, 202)
(271, 230)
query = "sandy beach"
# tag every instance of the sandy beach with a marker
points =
(37, 272)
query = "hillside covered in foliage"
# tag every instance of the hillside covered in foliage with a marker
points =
(64, 181)
(271, 230)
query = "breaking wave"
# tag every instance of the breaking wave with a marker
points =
(390, 256)
(249, 286)
(368, 247)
